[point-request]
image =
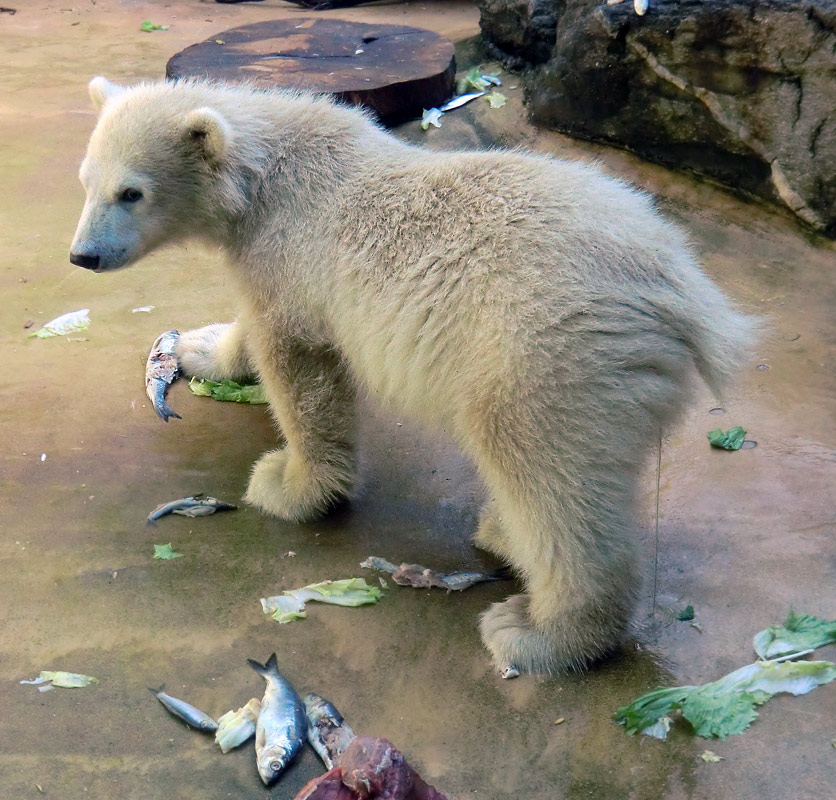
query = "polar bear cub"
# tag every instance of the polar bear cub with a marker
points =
(541, 313)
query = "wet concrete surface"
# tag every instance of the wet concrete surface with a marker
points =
(742, 536)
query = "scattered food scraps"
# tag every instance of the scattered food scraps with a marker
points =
(67, 323)
(461, 100)
(145, 309)
(496, 99)
(185, 711)
(474, 81)
(424, 578)
(149, 26)
(640, 7)
(161, 370)
(431, 116)
(560, 720)
(727, 706)
(229, 391)
(165, 552)
(369, 769)
(329, 734)
(492, 80)
(63, 680)
(196, 506)
(349, 592)
(710, 757)
(235, 727)
(281, 724)
(509, 672)
(732, 439)
(686, 615)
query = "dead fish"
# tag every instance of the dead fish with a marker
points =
(424, 578)
(282, 724)
(161, 370)
(461, 100)
(196, 506)
(328, 732)
(492, 79)
(640, 7)
(188, 713)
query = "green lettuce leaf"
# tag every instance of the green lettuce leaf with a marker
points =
(472, 81)
(165, 552)
(725, 706)
(732, 439)
(229, 391)
(149, 26)
(799, 633)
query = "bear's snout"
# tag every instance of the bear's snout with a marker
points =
(84, 260)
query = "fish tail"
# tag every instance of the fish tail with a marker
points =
(502, 574)
(271, 668)
(156, 692)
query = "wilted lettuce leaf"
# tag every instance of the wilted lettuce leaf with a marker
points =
(726, 706)
(496, 99)
(800, 632)
(65, 324)
(350, 592)
(229, 391)
(66, 680)
(732, 439)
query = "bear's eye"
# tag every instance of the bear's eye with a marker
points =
(130, 195)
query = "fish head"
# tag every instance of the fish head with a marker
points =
(271, 761)
(146, 173)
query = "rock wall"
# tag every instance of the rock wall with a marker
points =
(741, 91)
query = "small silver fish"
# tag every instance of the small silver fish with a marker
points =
(461, 100)
(161, 370)
(328, 732)
(188, 713)
(640, 7)
(492, 79)
(424, 578)
(196, 506)
(282, 724)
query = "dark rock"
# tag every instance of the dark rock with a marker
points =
(519, 32)
(740, 91)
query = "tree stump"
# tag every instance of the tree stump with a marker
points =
(393, 70)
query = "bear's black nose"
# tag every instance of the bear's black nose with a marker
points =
(81, 260)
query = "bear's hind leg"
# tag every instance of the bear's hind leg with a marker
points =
(311, 397)
(570, 617)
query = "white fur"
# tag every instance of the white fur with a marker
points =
(540, 312)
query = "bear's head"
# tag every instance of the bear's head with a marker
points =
(152, 158)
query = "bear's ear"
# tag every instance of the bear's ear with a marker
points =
(208, 132)
(101, 90)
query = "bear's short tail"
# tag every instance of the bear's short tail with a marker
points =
(721, 339)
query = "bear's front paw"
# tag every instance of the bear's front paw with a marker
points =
(287, 486)
(510, 637)
(197, 352)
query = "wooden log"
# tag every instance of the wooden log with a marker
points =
(393, 70)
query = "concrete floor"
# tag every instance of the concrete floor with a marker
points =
(743, 536)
